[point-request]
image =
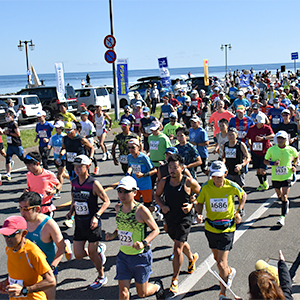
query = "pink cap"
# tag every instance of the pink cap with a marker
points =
(12, 224)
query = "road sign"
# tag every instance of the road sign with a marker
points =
(294, 55)
(110, 56)
(109, 41)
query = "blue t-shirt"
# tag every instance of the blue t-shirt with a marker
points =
(276, 116)
(141, 164)
(197, 136)
(189, 154)
(232, 92)
(44, 131)
(181, 100)
(166, 110)
(238, 102)
(56, 143)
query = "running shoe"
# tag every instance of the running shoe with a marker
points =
(171, 257)
(261, 187)
(101, 252)
(194, 221)
(266, 185)
(222, 297)
(159, 216)
(280, 222)
(174, 286)
(57, 196)
(160, 293)
(68, 250)
(109, 156)
(192, 266)
(68, 223)
(96, 171)
(104, 156)
(98, 283)
(8, 177)
(231, 276)
(12, 164)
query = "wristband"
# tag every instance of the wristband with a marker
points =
(127, 174)
(272, 163)
(146, 174)
(52, 267)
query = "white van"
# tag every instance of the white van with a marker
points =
(90, 95)
(30, 104)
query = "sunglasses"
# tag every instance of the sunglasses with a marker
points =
(12, 235)
(31, 158)
(68, 130)
(27, 208)
(122, 191)
(131, 147)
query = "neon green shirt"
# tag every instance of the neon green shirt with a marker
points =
(68, 117)
(219, 202)
(158, 145)
(285, 155)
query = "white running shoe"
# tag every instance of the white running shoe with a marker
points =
(109, 156)
(231, 276)
(281, 221)
(104, 156)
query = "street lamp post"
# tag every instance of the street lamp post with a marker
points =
(222, 48)
(31, 46)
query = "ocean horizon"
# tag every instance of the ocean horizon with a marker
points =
(14, 83)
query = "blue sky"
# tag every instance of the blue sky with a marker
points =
(185, 31)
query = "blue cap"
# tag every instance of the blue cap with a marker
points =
(172, 150)
(126, 107)
(84, 112)
(146, 109)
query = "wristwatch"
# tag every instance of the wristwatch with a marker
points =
(97, 216)
(52, 267)
(24, 291)
(241, 212)
(146, 246)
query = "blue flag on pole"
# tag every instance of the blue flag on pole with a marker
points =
(122, 75)
(164, 72)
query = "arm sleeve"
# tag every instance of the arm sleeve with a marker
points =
(285, 279)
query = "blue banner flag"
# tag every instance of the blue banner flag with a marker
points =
(122, 74)
(164, 72)
(245, 79)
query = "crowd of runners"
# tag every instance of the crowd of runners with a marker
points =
(253, 126)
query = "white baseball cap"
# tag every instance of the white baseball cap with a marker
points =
(218, 168)
(41, 113)
(128, 183)
(82, 160)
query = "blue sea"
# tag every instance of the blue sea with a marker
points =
(13, 83)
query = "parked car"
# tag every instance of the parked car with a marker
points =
(142, 85)
(49, 99)
(90, 95)
(123, 99)
(30, 104)
(3, 108)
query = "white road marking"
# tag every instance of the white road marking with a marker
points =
(187, 284)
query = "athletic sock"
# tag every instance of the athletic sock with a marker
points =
(264, 177)
(260, 178)
(284, 208)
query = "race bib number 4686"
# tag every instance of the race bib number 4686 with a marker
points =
(218, 204)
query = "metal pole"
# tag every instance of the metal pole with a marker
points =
(27, 63)
(226, 58)
(117, 106)
(295, 65)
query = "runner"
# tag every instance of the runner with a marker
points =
(68, 117)
(188, 152)
(187, 112)
(85, 192)
(127, 115)
(145, 126)
(99, 121)
(55, 142)
(138, 115)
(44, 232)
(283, 159)
(275, 114)
(141, 169)
(176, 207)
(29, 274)
(199, 138)
(221, 138)
(218, 195)
(41, 181)
(134, 259)
(170, 128)
(121, 140)
(236, 157)
(258, 137)
(14, 143)
(166, 110)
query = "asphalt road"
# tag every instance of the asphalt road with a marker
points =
(257, 238)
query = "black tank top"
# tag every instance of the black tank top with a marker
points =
(175, 196)
(86, 203)
(73, 148)
(233, 156)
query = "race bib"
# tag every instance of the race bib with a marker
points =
(15, 281)
(165, 115)
(123, 159)
(241, 134)
(281, 170)
(276, 121)
(230, 152)
(147, 130)
(173, 142)
(218, 204)
(81, 208)
(136, 168)
(42, 133)
(188, 113)
(71, 156)
(125, 238)
(8, 139)
(195, 103)
(154, 145)
(56, 150)
(257, 146)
